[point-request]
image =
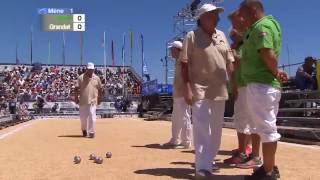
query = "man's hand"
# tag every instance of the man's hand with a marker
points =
(270, 59)
(99, 100)
(188, 97)
(282, 76)
(235, 92)
(76, 100)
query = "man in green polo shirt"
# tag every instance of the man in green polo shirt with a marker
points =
(260, 77)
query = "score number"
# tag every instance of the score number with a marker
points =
(79, 22)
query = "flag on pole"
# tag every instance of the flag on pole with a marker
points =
(63, 49)
(112, 53)
(131, 47)
(142, 54)
(49, 52)
(104, 56)
(31, 39)
(123, 49)
(123, 63)
(17, 59)
(145, 69)
(81, 48)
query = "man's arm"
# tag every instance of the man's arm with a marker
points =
(100, 92)
(185, 55)
(185, 76)
(77, 91)
(230, 69)
(271, 61)
(303, 73)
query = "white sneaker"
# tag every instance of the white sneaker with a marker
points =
(187, 145)
(171, 144)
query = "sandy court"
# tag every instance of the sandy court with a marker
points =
(44, 149)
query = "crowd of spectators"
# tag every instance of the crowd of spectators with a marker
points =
(56, 83)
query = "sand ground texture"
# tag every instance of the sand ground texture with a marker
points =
(44, 150)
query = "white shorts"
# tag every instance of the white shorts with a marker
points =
(242, 121)
(263, 106)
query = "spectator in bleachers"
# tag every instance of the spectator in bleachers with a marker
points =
(305, 76)
(13, 104)
(3, 106)
(40, 104)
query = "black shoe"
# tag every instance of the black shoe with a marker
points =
(203, 175)
(215, 167)
(260, 174)
(84, 133)
(91, 135)
(276, 171)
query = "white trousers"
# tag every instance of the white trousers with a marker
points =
(88, 118)
(207, 118)
(263, 106)
(181, 122)
(242, 115)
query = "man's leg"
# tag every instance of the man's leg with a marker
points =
(202, 136)
(186, 133)
(244, 141)
(175, 121)
(264, 107)
(269, 158)
(255, 145)
(253, 160)
(92, 120)
(216, 124)
(241, 121)
(84, 115)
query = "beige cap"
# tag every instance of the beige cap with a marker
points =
(207, 8)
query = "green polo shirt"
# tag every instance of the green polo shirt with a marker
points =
(265, 33)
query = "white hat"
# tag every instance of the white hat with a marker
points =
(175, 44)
(90, 65)
(207, 8)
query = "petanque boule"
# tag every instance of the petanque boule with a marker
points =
(108, 155)
(77, 159)
(92, 157)
(98, 160)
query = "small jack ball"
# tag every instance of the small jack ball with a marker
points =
(77, 159)
(108, 155)
(99, 160)
(92, 157)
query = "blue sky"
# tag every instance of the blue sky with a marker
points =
(154, 19)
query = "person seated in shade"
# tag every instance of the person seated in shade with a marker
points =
(305, 76)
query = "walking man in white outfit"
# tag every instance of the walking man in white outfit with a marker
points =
(88, 96)
(181, 116)
(206, 58)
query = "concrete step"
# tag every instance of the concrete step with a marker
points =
(298, 109)
(295, 101)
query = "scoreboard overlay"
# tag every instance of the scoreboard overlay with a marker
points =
(61, 20)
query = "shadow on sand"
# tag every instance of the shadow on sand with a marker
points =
(154, 146)
(183, 173)
(71, 136)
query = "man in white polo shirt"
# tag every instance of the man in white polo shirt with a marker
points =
(181, 123)
(88, 96)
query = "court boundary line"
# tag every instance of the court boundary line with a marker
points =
(16, 130)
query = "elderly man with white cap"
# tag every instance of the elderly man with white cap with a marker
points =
(88, 96)
(181, 123)
(206, 61)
